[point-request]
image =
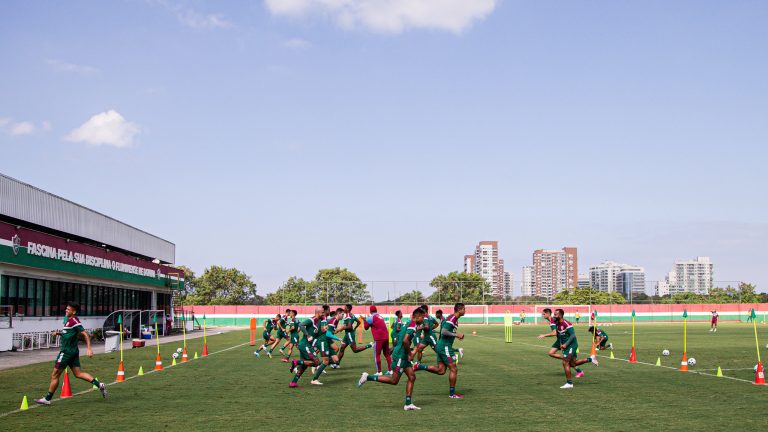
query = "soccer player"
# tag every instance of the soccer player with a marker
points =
(578, 316)
(554, 351)
(380, 339)
(394, 332)
(307, 357)
(69, 355)
(569, 345)
(292, 327)
(445, 355)
(601, 338)
(350, 325)
(323, 345)
(285, 319)
(280, 322)
(715, 316)
(427, 334)
(269, 325)
(400, 360)
(522, 317)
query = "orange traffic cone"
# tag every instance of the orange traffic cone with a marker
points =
(184, 357)
(633, 357)
(66, 390)
(158, 362)
(120, 373)
(593, 351)
(474, 332)
(205, 350)
(684, 363)
(760, 375)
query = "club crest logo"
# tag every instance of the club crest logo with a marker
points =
(16, 240)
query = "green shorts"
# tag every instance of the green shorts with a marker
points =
(429, 340)
(570, 351)
(349, 338)
(604, 343)
(294, 339)
(445, 354)
(324, 347)
(400, 362)
(307, 351)
(64, 360)
(416, 340)
(265, 334)
(282, 335)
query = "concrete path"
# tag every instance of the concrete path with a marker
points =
(10, 359)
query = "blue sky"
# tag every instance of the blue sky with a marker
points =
(390, 137)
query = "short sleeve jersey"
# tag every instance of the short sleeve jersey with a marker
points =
(349, 319)
(429, 322)
(293, 326)
(601, 333)
(452, 325)
(320, 334)
(270, 326)
(72, 328)
(552, 324)
(406, 329)
(332, 323)
(309, 323)
(565, 331)
(283, 321)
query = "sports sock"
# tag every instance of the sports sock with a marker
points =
(422, 366)
(453, 391)
(372, 378)
(318, 371)
(96, 382)
(569, 382)
(408, 400)
(48, 396)
(295, 378)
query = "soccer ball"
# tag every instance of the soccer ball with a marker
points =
(178, 350)
(691, 361)
(175, 355)
(665, 352)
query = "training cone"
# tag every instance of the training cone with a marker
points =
(474, 332)
(684, 363)
(612, 357)
(205, 350)
(658, 361)
(184, 357)
(158, 362)
(592, 351)
(24, 405)
(120, 373)
(195, 355)
(632, 356)
(174, 362)
(719, 372)
(760, 375)
(66, 390)
(141, 370)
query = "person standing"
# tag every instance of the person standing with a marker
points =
(69, 355)
(378, 328)
(715, 317)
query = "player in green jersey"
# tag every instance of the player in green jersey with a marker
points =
(428, 338)
(292, 328)
(400, 362)
(566, 336)
(69, 355)
(269, 325)
(350, 324)
(445, 354)
(394, 332)
(601, 338)
(309, 328)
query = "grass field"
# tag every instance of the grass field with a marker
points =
(507, 385)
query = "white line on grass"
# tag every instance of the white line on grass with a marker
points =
(116, 382)
(639, 362)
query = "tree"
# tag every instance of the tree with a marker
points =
(411, 297)
(190, 283)
(340, 286)
(747, 293)
(222, 286)
(470, 288)
(293, 291)
(588, 295)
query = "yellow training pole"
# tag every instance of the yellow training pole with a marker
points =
(184, 327)
(121, 341)
(757, 343)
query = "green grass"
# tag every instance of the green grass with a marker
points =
(507, 386)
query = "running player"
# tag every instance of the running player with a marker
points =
(715, 317)
(601, 338)
(394, 332)
(400, 362)
(427, 334)
(306, 351)
(323, 343)
(280, 323)
(269, 325)
(569, 345)
(445, 355)
(554, 351)
(69, 355)
(292, 327)
(349, 325)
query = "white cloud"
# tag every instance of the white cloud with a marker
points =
(389, 16)
(62, 66)
(192, 18)
(14, 128)
(296, 43)
(107, 128)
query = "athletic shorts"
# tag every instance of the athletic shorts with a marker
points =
(64, 360)
(324, 348)
(266, 335)
(295, 339)
(445, 354)
(349, 338)
(416, 340)
(429, 341)
(556, 344)
(570, 351)
(604, 343)
(400, 362)
(306, 351)
(282, 335)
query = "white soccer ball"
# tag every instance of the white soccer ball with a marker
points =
(665, 352)
(691, 361)
(179, 350)
(175, 355)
